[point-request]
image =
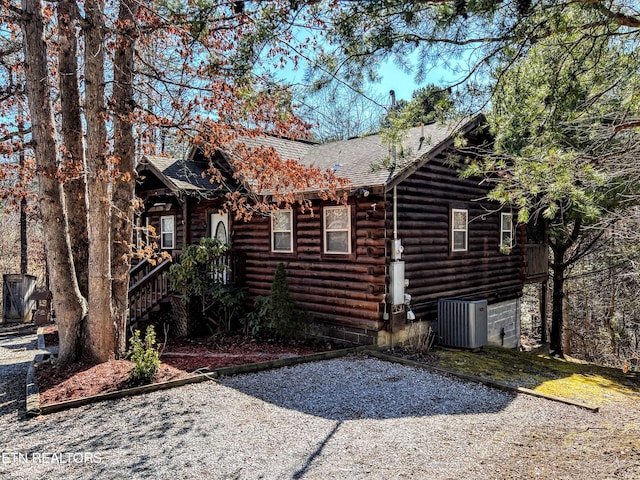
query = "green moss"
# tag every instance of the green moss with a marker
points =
(590, 389)
(585, 383)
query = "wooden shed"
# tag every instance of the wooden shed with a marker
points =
(17, 303)
(412, 232)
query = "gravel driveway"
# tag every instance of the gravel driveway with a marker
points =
(347, 418)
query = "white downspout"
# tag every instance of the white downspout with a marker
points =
(395, 213)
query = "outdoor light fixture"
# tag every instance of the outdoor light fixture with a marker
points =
(360, 193)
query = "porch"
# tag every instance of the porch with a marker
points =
(150, 289)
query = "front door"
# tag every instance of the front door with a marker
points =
(220, 227)
(220, 230)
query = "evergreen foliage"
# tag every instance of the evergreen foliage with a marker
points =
(284, 319)
(564, 148)
(145, 356)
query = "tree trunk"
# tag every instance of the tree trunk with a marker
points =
(557, 302)
(543, 311)
(568, 331)
(560, 246)
(609, 317)
(124, 150)
(68, 302)
(24, 250)
(100, 331)
(73, 160)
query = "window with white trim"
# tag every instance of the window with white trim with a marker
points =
(167, 232)
(282, 231)
(219, 227)
(459, 230)
(139, 232)
(506, 231)
(337, 229)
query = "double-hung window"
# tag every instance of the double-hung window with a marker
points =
(167, 232)
(337, 229)
(139, 232)
(459, 230)
(506, 231)
(282, 231)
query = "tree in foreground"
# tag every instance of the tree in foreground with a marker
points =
(102, 79)
(567, 144)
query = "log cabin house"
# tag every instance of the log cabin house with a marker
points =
(412, 233)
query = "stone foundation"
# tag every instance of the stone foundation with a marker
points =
(341, 334)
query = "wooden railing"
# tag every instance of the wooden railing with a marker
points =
(147, 288)
(537, 262)
(148, 285)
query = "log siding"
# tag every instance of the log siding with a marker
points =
(426, 200)
(336, 289)
(346, 294)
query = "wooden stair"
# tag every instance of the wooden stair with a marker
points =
(148, 290)
(149, 287)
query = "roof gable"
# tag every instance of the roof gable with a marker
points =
(363, 161)
(179, 175)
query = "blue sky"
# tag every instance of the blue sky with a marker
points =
(392, 76)
(403, 83)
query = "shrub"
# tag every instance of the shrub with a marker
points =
(420, 338)
(258, 319)
(202, 275)
(284, 319)
(145, 356)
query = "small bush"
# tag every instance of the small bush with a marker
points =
(145, 356)
(284, 319)
(202, 276)
(258, 319)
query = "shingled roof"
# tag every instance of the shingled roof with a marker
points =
(368, 162)
(363, 161)
(179, 175)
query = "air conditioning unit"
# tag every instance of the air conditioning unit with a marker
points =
(462, 323)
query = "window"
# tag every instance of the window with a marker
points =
(167, 232)
(282, 231)
(506, 231)
(459, 230)
(139, 233)
(219, 227)
(221, 232)
(337, 229)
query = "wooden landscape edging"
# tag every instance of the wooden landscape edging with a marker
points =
(33, 398)
(484, 381)
(79, 402)
(33, 407)
(32, 395)
(287, 362)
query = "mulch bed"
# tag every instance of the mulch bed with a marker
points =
(180, 358)
(50, 334)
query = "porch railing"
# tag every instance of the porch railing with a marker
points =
(537, 262)
(149, 286)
